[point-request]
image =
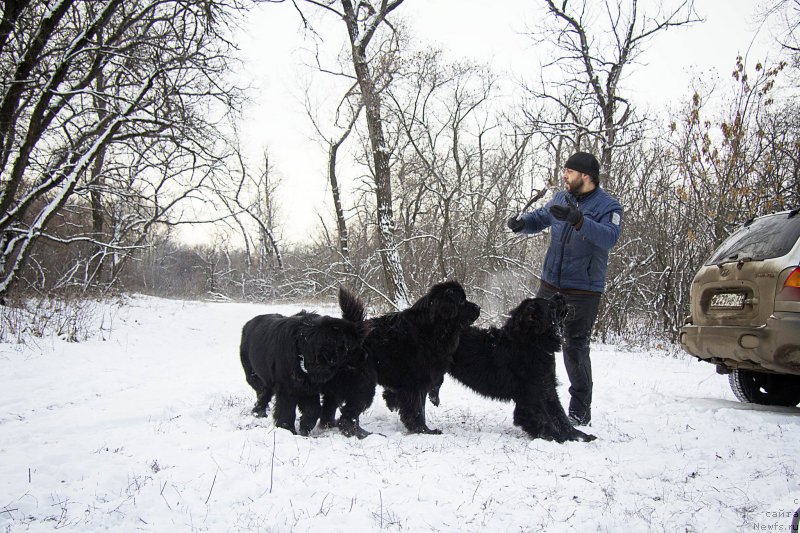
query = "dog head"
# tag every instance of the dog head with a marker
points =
(331, 343)
(541, 318)
(446, 303)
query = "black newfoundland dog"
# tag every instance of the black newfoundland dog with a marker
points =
(409, 351)
(517, 363)
(293, 357)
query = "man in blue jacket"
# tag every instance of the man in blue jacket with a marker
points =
(585, 224)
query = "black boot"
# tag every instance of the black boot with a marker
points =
(580, 418)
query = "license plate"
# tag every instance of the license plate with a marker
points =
(728, 300)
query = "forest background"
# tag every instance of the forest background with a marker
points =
(123, 123)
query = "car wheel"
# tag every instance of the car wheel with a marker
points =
(764, 388)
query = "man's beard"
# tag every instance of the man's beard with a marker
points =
(575, 187)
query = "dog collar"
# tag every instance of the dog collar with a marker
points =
(302, 363)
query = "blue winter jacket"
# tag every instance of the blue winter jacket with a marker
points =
(578, 259)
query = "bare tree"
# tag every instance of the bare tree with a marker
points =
(362, 20)
(347, 114)
(107, 108)
(249, 197)
(686, 192)
(444, 122)
(787, 15)
(596, 42)
(731, 164)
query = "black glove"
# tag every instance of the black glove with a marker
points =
(569, 213)
(515, 224)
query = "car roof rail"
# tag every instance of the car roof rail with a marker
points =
(793, 212)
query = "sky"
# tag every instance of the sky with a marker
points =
(145, 425)
(273, 45)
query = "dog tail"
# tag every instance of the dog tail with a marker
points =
(352, 308)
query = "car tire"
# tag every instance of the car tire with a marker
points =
(764, 388)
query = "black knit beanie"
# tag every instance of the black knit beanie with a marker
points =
(584, 163)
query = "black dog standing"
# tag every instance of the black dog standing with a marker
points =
(410, 351)
(517, 363)
(293, 357)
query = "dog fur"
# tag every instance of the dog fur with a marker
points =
(517, 363)
(292, 357)
(409, 351)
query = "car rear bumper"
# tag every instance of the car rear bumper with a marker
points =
(773, 347)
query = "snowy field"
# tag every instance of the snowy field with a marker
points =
(149, 429)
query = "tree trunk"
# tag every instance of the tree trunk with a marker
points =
(390, 257)
(96, 183)
(341, 226)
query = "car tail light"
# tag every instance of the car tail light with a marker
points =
(791, 287)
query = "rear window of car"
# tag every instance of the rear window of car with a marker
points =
(764, 238)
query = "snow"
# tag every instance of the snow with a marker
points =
(149, 428)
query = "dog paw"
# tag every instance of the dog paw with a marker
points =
(327, 423)
(287, 427)
(576, 435)
(552, 437)
(350, 428)
(425, 430)
(362, 433)
(390, 397)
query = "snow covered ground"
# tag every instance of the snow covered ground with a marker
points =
(150, 429)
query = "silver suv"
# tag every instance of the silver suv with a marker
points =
(745, 310)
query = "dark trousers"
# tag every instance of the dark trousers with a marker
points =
(581, 315)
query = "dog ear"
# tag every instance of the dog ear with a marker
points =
(518, 316)
(454, 290)
(422, 304)
(450, 289)
(300, 339)
(559, 306)
(352, 308)
(542, 315)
